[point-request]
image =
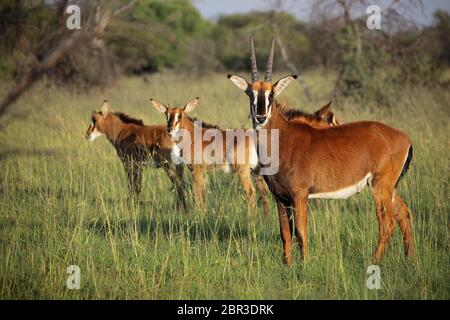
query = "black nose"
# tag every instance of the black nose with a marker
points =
(168, 129)
(261, 119)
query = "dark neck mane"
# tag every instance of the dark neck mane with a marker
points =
(127, 119)
(295, 114)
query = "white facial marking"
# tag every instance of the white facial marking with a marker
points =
(255, 101)
(176, 126)
(266, 95)
(94, 135)
(346, 192)
(268, 111)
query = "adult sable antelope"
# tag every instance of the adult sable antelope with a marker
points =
(334, 162)
(198, 161)
(137, 145)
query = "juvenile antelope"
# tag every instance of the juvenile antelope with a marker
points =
(225, 160)
(322, 118)
(137, 145)
(332, 162)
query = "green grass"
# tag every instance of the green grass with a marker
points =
(63, 201)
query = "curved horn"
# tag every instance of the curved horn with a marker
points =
(253, 61)
(268, 76)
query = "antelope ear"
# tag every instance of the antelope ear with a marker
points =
(281, 84)
(158, 106)
(240, 82)
(105, 108)
(324, 110)
(191, 105)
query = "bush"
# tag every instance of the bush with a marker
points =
(165, 34)
(365, 72)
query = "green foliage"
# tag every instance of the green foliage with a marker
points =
(161, 32)
(365, 74)
(232, 39)
(22, 20)
(442, 27)
(375, 66)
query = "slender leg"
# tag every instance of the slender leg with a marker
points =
(403, 217)
(133, 170)
(137, 173)
(181, 187)
(176, 177)
(247, 184)
(284, 215)
(383, 203)
(301, 224)
(199, 185)
(263, 193)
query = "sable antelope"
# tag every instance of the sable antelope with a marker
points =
(322, 118)
(334, 162)
(226, 161)
(325, 114)
(137, 145)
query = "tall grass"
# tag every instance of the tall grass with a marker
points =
(63, 201)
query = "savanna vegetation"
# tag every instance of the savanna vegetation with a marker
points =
(64, 200)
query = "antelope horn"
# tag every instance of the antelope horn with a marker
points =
(268, 76)
(253, 61)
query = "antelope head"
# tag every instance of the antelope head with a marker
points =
(326, 115)
(175, 116)
(261, 93)
(98, 123)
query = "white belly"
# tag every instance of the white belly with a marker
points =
(346, 192)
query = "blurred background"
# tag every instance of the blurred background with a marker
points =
(123, 38)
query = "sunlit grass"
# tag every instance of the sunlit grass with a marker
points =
(64, 201)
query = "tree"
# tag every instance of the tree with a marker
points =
(58, 44)
(364, 53)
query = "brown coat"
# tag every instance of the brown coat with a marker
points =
(138, 145)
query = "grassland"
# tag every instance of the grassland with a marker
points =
(63, 201)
